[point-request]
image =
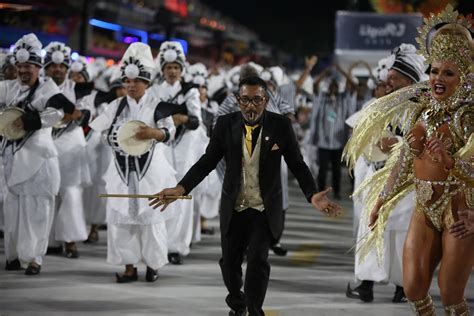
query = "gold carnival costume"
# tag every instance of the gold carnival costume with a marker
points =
(451, 120)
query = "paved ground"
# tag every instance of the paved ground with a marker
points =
(310, 281)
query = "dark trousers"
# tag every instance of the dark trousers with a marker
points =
(331, 157)
(249, 231)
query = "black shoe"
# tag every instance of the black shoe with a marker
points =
(237, 304)
(364, 293)
(127, 278)
(54, 250)
(13, 265)
(208, 231)
(399, 296)
(32, 270)
(279, 250)
(238, 313)
(1, 234)
(71, 253)
(151, 274)
(175, 258)
(92, 238)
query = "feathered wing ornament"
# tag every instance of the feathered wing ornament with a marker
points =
(398, 109)
(401, 108)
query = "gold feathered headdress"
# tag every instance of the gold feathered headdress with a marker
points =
(445, 46)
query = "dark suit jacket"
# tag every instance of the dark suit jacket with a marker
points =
(226, 141)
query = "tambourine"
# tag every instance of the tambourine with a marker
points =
(7, 129)
(122, 139)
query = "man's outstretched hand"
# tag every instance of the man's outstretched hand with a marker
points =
(161, 197)
(321, 202)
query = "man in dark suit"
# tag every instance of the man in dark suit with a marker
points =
(252, 143)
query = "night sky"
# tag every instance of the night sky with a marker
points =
(294, 26)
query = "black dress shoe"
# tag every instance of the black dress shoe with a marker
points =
(399, 296)
(208, 231)
(279, 250)
(151, 274)
(13, 265)
(175, 258)
(32, 269)
(237, 304)
(92, 238)
(362, 292)
(71, 253)
(127, 278)
(1, 234)
(238, 313)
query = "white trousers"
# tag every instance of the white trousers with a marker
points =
(28, 221)
(390, 270)
(69, 221)
(132, 244)
(180, 228)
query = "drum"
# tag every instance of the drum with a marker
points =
(7, 117)
(122, 139)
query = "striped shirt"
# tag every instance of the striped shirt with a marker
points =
(328, 129)
(288, 92)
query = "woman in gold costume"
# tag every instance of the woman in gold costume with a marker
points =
(436, 159)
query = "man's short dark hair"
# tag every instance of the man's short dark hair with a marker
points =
(253, 81)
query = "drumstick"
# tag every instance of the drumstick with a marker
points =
(145, 196)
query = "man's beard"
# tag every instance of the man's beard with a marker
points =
(252, 118)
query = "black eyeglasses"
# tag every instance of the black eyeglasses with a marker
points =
(257, 100)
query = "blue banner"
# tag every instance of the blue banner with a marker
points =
(373, 31)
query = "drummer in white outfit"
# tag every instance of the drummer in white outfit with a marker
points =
(69, 224)
(30, 163)
(189, 143)
(136, 233)
(99, 154)
(206, 205)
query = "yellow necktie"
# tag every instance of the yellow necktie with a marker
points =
(248, 137)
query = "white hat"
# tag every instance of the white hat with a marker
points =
(80, 66)
(137, 62)
(114, 75)
(197, 74)
(274, 74)
(380, 72)
(171, 52)
(232, 77)
(58, 53)
(406, 61)
(257, 67)
(28, 50)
